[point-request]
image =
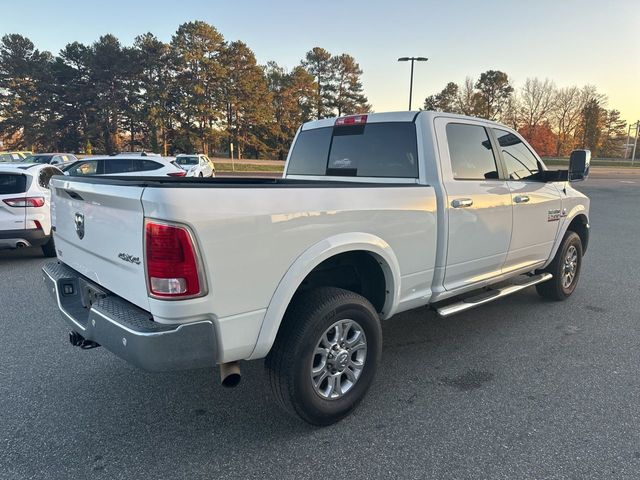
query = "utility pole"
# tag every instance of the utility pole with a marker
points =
(635, 144)
(412, 59)
(626, 143)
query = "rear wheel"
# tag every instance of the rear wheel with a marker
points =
(49, 248)
(325, 356)
(565, 269)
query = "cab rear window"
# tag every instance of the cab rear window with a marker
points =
(386, 149)
(11, 183)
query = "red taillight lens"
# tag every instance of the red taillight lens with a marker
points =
(172, 266)
(25, 202)
(351, 120)
(177, 174)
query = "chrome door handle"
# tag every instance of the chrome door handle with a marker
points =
(461, 202)
(521, 199)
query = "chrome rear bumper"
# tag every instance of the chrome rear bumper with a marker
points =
(126, 330)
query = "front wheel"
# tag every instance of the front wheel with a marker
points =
(565, 269)
(325, 356)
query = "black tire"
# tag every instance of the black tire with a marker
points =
(291, 358)
(201, 175)
(554, 289)
(49, 248)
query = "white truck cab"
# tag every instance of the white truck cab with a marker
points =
(375, 214)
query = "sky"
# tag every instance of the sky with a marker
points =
(571, 42)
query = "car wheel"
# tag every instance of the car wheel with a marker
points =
(200, 175)
(565, 269)
(326, 354)
(49, 248)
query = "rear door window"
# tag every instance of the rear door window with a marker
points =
(11, 183)
(146, 165)
(120, 165)
(470, 152)
(386, 149)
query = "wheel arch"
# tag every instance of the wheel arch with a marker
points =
(313, 257)
(577, 221)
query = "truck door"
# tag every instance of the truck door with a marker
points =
(478, 203)
(536, 204)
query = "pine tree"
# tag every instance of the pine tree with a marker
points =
(200, 74)
(318, 62)
(248, 100)
(349, 97)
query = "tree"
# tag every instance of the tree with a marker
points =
(157, 85)
(591, 124)
(349, 98)
(318, 62)
(466, 97)
(23, 73)
(541, 138)
(248, 100)
(200, 75)
(614, 134)
(294, 101)
(566, 117)
(492, 93)
(445, 101)
(537, 100)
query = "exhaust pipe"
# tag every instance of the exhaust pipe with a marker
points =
(230, 374)
(21, 245)
(78, 340)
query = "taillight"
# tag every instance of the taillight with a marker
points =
(177, 174)
(25, 202)
(351, 120)
(172, 263)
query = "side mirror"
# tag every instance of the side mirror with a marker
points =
(579, 163)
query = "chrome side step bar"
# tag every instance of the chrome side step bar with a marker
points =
(491, 295)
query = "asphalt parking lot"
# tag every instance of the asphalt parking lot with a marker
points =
(521, 388)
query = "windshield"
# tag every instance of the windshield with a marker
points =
(387, 149)
(38, 159)
(191, 160)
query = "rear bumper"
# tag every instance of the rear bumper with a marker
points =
(126, 330)
(33, 237)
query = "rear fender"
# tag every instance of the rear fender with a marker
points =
(311, 258)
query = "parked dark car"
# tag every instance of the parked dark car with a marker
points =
(51, 158)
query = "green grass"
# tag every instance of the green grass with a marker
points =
(594, 163)
(246, 167)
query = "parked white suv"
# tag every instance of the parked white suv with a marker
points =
(148, 166)
(25, 206)
(196, 165)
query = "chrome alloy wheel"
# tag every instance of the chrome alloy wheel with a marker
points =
(570, 267)
(338, 359)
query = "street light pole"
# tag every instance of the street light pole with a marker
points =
(635, 143)
(412, 59)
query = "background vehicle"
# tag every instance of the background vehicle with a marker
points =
(25, 206)
(376, 214)
(196, 165)
(124, 166)
(12, 157)
(51, 158)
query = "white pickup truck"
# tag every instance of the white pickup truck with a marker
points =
(375, 214)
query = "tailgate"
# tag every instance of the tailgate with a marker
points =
(12, 186)
(99, 233)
